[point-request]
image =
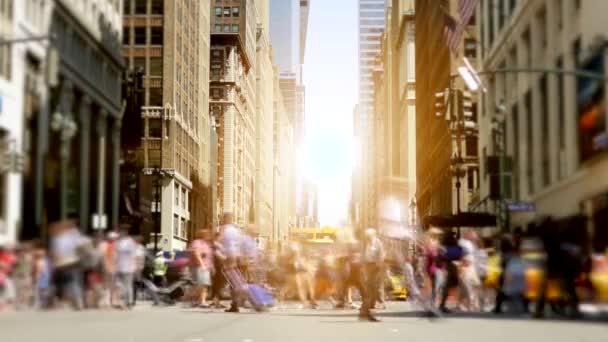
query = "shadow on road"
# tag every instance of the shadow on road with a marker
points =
(600, 319)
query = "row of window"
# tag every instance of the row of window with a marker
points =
(141, 36)
(227, 12)
(141, 7)
(226, 28)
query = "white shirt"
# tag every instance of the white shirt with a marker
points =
(126, 250)
(231, 241)
(469, 249)
(374, 251)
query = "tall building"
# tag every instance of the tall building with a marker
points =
(60, 115)
(288, 33)
(264, 184)
(439, 190)
(371, 26)
(166, 39)
(391, 144)
(202, 209)
(553, 135)
(233, 104)
(284, 176)
(285, 34)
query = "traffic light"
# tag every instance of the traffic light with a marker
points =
(442, 100)
(467, 104)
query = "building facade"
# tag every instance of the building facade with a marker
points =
(164, 39)
(64, 97)
(264, 185)
(440, 190)
(371, 25)
(394, 105)
(233, 104)
(554, 124)
(284, 176)
(288, 34)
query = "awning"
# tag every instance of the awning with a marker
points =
(466, 219)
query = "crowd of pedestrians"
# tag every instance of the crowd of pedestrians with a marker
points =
(446, 272)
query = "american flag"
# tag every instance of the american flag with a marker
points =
(452, 33)
(466, 10)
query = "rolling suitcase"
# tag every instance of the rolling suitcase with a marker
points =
(260, 297)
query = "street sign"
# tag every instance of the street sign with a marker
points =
(521, 207)
(100, 221)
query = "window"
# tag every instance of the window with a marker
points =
(140, 36)
(226, 11)
(226, 28)
(140, 6)
(5, 61)
(529, 142)
(154, 158)
(157, 7)
(471, 179)
(542, 27)
(176, 194)
(471, 146)
(126, 7)
(218, 11)
(184, 195)
(516, 161)
(527, 47)
(126, 35)
(470, 48)
(544, 103)
(155, 128)
(156, 35)
(182, 228)
(139, 63)
(156, 96)
(235, 12)
(561, 140)
(156, 66)
(235, 28)
(218, 28)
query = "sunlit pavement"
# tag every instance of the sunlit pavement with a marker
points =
(285, 324)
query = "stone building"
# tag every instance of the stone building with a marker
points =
(169, 41)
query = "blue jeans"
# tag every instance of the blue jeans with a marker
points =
(437, 282)
(125, 284)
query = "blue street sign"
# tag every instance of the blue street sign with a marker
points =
(521, 207)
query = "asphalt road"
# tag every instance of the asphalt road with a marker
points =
(176, 324)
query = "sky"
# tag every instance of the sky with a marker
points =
(330, 77)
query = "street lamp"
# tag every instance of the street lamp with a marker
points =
(64, 125)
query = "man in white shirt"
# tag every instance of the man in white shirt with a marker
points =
(373, 257)
(231, 240)
(126, 264)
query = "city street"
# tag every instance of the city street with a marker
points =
(175, 324)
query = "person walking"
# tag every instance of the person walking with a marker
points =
(432, 253)
(413, 290)
(451, 255)
(218, 281)
(68, 277)
(107, 249)
(42, 279)
(373, 257)
(126, 265)
(231, 240)
(201, 263)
